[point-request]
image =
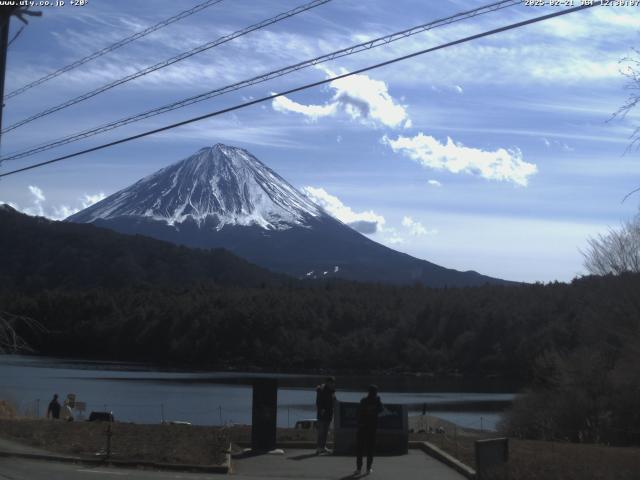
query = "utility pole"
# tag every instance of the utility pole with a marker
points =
(5, 19)
(6, 12)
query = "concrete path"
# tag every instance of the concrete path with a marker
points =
(301, 464)
(294, 464)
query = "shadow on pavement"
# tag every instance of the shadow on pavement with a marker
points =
(248, 454)
(305, 456)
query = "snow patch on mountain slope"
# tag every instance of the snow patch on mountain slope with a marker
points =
(221, 183)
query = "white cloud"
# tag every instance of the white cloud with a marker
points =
(55, 212)
(284, 104)
(37, 193)
(434, 183)
(364, 222)
(458, 89)
(38, 198)
(62, 212)
(502, 164)
(416, 228)
(88, 200)
(360, 97)
(394, 240)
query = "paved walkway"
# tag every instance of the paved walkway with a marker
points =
(305, 464)
(294, 464)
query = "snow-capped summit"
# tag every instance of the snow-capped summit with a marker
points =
(221, 185)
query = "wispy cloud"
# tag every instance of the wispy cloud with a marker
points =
(501, 164)
(434, 183)
(236, 131)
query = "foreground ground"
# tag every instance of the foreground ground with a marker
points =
(187, 444)
(208, 446)
(301, 464)
(544, 460)
(20, 469)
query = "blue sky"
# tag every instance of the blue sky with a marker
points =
(496, 155)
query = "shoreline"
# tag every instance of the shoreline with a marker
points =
(291, 378)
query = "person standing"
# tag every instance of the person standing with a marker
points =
(368, 411)
(325, 398)
(67, 412)
(54, 408)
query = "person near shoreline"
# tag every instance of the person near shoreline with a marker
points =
(368, 411)
(325, 398)
(53, 411)
(68, 411)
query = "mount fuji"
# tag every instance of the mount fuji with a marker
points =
(223, 196)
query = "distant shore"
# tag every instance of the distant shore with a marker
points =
(303, 378)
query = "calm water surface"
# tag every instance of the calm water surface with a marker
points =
(140, 393)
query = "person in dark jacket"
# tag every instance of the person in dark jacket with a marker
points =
(325, 398)
(54, 408)
(368, 411)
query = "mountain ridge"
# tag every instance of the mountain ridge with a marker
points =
(37, 253)
(224, 197)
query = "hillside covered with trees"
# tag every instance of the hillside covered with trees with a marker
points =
(37, 254)
(575, 345)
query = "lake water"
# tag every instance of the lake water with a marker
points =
(140, 393)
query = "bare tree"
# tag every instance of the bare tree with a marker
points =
(631, 70)
(615, 252)
(10, 340)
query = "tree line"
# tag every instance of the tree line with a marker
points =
(491, 330)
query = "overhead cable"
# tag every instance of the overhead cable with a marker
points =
(368, 45)
(305, 87)
(166, 63)
(112, 47)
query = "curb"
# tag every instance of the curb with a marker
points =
(222, 469)
(433, 451)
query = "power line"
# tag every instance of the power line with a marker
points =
(307, 86)
(15, 36)
(377, 42)
(170, 61)
(112, 47)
